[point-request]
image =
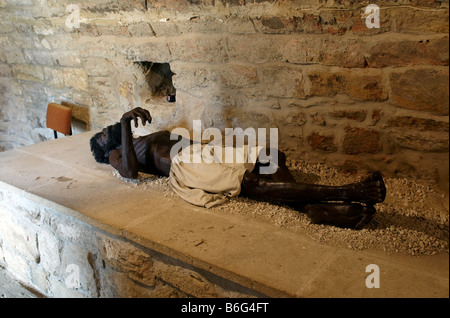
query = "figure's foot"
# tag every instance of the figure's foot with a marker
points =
(371, 190)
(345, 215)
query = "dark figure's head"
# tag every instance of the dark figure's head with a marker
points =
(104, 142)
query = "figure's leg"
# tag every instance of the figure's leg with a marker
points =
(282, 172)
(315, 200)
(370, 191)
(347, 215)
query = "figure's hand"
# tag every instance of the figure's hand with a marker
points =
(137, 113)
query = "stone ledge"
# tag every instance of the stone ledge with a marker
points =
(61, 207)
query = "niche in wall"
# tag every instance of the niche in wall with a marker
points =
(159, 79)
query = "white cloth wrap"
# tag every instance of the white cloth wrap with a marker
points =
(211, 180)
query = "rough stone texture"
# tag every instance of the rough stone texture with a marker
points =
(239, 62)
(56, 255)
(358, 140)
(325, 143)
(423, 90)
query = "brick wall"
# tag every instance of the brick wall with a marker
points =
(338, 91)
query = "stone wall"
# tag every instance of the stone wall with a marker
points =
(338, 91)
(58, 255)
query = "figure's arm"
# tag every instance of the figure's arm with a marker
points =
(125, 160)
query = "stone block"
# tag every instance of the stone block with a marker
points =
(357, 115)
(12, 56)
(54, 77)
(58, 289)
(107, 6)
(302, 50)
(425, 51)
(190, 77)
(361, 53)
(177, 5)
(421, 141)
(97, 66)
(219, 117)
(164, 27)
(20, 233)
(237, 24)
(296, 118)
(27, 72)
(235, 76)
(305, 23)
(128, 259)
(360, 140)
(185, 280)
(20, 2)
(119, 285)
(366, 86)
(354, 166)
(418, 124)
(140, 29)
(75, 78)
(67, 58)
(205, 49)
(78, 272)
(273, 24)
(202, 23)
(410, 20)
(349, 53)
(39, 279)
(43, 27)
(356, 23)
(112, 30)
(5, 70)
(313, 23)
(331, 21)
(255, 48)
(108, 48)
(377, 114)
(282, 81)
(157, 52)
(421, 89)
(326, 143)
(49, 249)
(360, 85)
(39, 57)
(253, 119)
(16, 263)
(318, 119)
(67, 41)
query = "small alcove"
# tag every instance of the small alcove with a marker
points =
(158, 76)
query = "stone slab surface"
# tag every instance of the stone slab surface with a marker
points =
(273, 261)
